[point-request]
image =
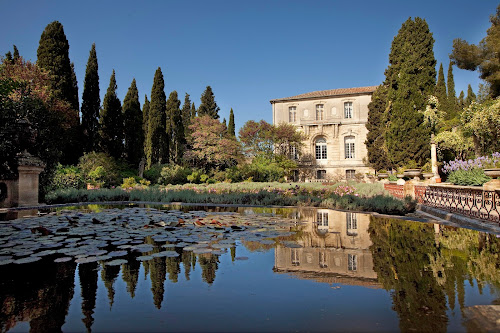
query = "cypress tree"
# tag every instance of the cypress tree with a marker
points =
(440, 92)
(230, 127)
(376, 126)
(175, 128)
(53, 56)
(15, 54)
(111, 121)
(451, 103)
(91, 103)
(193, 111)
(133, 126)
(461, 100)
(186, 114)
(157, 144)
(208, 105)
(224, 122)
(407, 138)
(145, 122)
(8, 57)
(471, 97)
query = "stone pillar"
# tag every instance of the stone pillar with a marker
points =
(28, 184)
(434, 165)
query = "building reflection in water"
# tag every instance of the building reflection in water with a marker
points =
(335, 249)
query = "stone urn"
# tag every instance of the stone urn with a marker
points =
(415, 173)
(428, 175)
(493, 184)
(383, 175)
(400, 175)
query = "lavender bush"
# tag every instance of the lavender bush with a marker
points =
(471, 172)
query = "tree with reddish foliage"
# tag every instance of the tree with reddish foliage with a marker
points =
(209, 148)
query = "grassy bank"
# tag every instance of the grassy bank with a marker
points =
(347, 197)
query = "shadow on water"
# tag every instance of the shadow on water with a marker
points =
(432, 273)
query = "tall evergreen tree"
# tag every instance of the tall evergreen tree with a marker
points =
(440, 92)
(175, 128)
(376, 126)
(193, 111)
(91, 103)
(157, 144)
(471, 97)
(53, 56)
(145, 122)
(208, 105)
(407, 138)
(461, 100)
(186, 114)
(451, 103)
(231, 130)
(15, 54)
(111, 121)
(133, 130)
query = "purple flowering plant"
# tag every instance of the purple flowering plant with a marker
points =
(482, 162)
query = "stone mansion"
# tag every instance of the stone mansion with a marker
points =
(334, 124)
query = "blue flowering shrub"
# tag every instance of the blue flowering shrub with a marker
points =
(471, 172)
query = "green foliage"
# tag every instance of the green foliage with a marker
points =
(440, 92)
(111, 121)
(102, 168)
(194, 177)
(145, 122)
(231, 130)
(153, 174)
(157, 143)
(376, 126)
(133, 127)
(471, 177)
(129, 182)
(175, 128)
(208, 105)
(482, 123)
(91, 103)
(263, 169)
(67, 177)
(451, 106)
(411, 77)
(392, 178)
(53, 56)
(186, 115)
(174, 174)
(483, 56)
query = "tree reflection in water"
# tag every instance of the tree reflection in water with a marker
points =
(88, 284)
(39, 293)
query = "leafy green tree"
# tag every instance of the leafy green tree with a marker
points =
(175, 128)
(111, 121)
(482, 57)
(230, 127)
(91, 103)
(145, 121)
(482, 123)
(208, 105)
(133, 126)
(53, 56)
(186, 114)
(157, 143)
(461, 100)
(15, 54)
(415, 79)
(376, 126)
(209, 148)
(257, 138)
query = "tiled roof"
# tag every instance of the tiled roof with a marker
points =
(328, 93)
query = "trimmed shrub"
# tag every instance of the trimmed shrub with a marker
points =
(173, 174)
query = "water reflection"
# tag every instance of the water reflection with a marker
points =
(426, 269)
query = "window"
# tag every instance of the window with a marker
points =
(352, 223)
(349, 146)
(319, 112)
(322, 219)
(348, 110)
(352, 262)
(295, 257)
(292, 114)
(321, 174)
(294, 155)
(321, 149)
(350, 174)
(322, 260)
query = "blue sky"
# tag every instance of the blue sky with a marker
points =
(248, 51)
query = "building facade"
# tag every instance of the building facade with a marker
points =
(333, 122)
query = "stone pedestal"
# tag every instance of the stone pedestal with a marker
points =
(492, 185)
(28, 184)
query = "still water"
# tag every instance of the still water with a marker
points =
(251, 269)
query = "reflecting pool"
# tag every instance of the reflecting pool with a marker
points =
(146, 269)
